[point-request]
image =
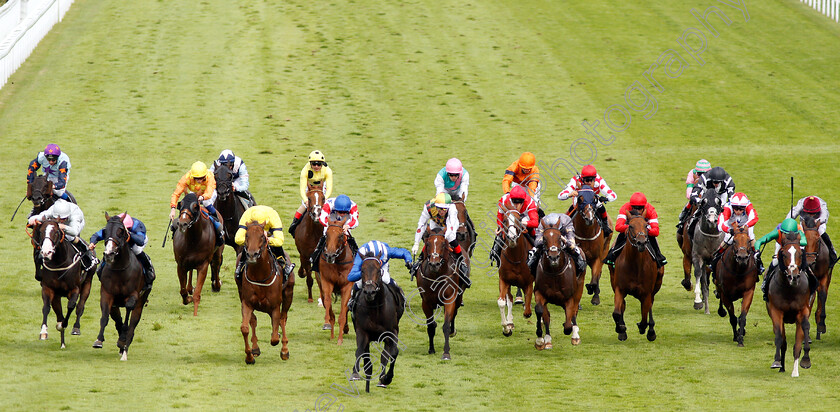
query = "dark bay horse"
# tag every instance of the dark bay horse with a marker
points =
(818, 261)
(466, 234)
(513, 270)
(40, 192)
(684, 242)
(122, 280)
(789, 301)
(262, 289)
(438, 283)
(556, 283)
(62, 277)
(736, 275)
(635, 274)
(307, 235)
(194, 245)
(228, 204)
(376, 318)
(335, 265)
(705, 241)
(590, 239)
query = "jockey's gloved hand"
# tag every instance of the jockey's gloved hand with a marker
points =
(414, 249)
(408, 264)
(173, 213)
(603, 199)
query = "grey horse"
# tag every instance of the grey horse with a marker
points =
(706, 240)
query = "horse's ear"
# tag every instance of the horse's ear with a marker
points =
(717, 200)
(29, 191)
(107, 218)
(49, 187)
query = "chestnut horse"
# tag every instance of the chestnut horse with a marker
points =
(513, 270)
(557, 283)
(194, 245)
(229, 205)
(62, 277)
(635, 274)
(590, 239)
(735, 277)
(789, 301)
(438, 283)
(307, 235)
(335, 265)
(262, 288)
(466, 234)
(818, 261)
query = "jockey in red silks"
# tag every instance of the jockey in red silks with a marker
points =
(638, 202)
(517, 199)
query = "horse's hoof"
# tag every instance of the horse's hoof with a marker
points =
(651, 335)
(527, 315)
(622, 336)
(275, 342)
(549, 346)
(590, 289)
(217, 286)
(698, 305)
(250, 360)
(320, 303)
(454, 332)
(818, 335)
(124, 356)
(805, 363)
(76, 331)
(340, 342)
(381, 385)
(539, 344)
(284, 355)
(355, 377)
(255, 352)
(97, 344)
(821, 328)
(62, 346)
(575, 341)
(596, 300)
(431, 351)
(721, 312)
(309, 300)
(740, 344)
(686, 284)
(445, 357)
(776, 365)
(326, 327)
(519, 301)
(58, 327)
(507, 330)
(43, 336)
(809, 340)
(642, 328)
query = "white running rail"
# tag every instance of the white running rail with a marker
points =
(23, 23)
(830, 8)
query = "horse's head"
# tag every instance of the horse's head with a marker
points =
(437, 249)
(790, 258)
(315, 196)
(710, 207)
(461, 209)
(224, 182)
(371, 276)
(811, 225)
(512, 226)
(586, 202)
(40, 191)
(637, 232)
(554, 243)
(51, 236)
(255, 242)
(116, 237)
(336, 241)
(189, 212)
(741, 243)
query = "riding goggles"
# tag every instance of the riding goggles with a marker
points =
(739, 208)
(52, 158)
(317, 163)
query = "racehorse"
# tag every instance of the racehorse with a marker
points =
(122, 280)
(635, 273)
(62, 277)
(513, 270)
(684, 242)
(228, 204)
(376, 317)
(438, 283)
(789, 301)
(705, 242)
(736, 275)
(307, 235)
(466, 234)
(262, 288)
(558, 283)
(336, 262)
(819, 262)
(40, 191)
(194, 245)
(590, 239)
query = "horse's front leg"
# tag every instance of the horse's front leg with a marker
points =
(80, 308)
(105, 302)
(570, 327)
(781, 343)
(618, 314)
(505, 303)
(529, 293)
(59, 314)
(182, 279)
(698, 283)
(746, 302)
(245, 328)
(71, 306)
(45, 310)
(449, 316)
(199, 284)
(539, 310)
(389, 355)
(342, 317)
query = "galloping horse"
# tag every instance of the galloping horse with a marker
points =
(819, 262)
(40, 191)
(122, 280)
(513, 270)
(705, 242)
(466, 234)
(789, 301)
(737, 273)
(228, 204)
(684, 242)
(194, 245)
(62, 277)
(262, 288)
(307, 235)
(635, 274)
(438, 283)
(557, 283)
(376, 317)
(591, 239)
(335, 265)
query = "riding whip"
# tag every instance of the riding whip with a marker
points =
(13, 214)
(791, 198)
(166, 234)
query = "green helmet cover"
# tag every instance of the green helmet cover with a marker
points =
(789, 225)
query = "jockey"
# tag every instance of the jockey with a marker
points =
(315, 172)
(200, 181)
(240, 175)
(811, 206)
(383, 253)
(273, 227)
(637, 202)
(339, 208)
(72, 222)
(589, 176)
(739, 211)
(518, 200)
(453, 180)
(440, 213)
(567, 229)
(700, 168)
(56, 168)
(523, 172)
(715, 179)
(137, 240)
(778, 234)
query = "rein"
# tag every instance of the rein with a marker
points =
(273, 275)
(589, 238)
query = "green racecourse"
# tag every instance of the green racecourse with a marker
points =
(136, 91)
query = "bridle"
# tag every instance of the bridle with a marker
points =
(256, 256)
(343, 245)
(632, 239)
(45, 226)
(193, 216)
(378, 281)
(316, 205)
(119, 243)
(554, 248)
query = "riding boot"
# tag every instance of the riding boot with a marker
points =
(88, 257)
(765, 285)
(240, 267)
(251, 199)
(495, 252)
(616, 249)
(282, 257)
(518, 299)
(148, 270)
(351, 304)
(220, 232)
(681, 219)
(39, 261)
(534, 256)
(353, 246)
(99, 270)
(602, 219)
(715, 259)
(315, 258)
(294, 225)
(831, 252)
(580, 262)
(464, 270)
(659, 257)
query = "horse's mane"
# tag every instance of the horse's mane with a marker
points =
(792, 236)
(808, 221)
(188, 200)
